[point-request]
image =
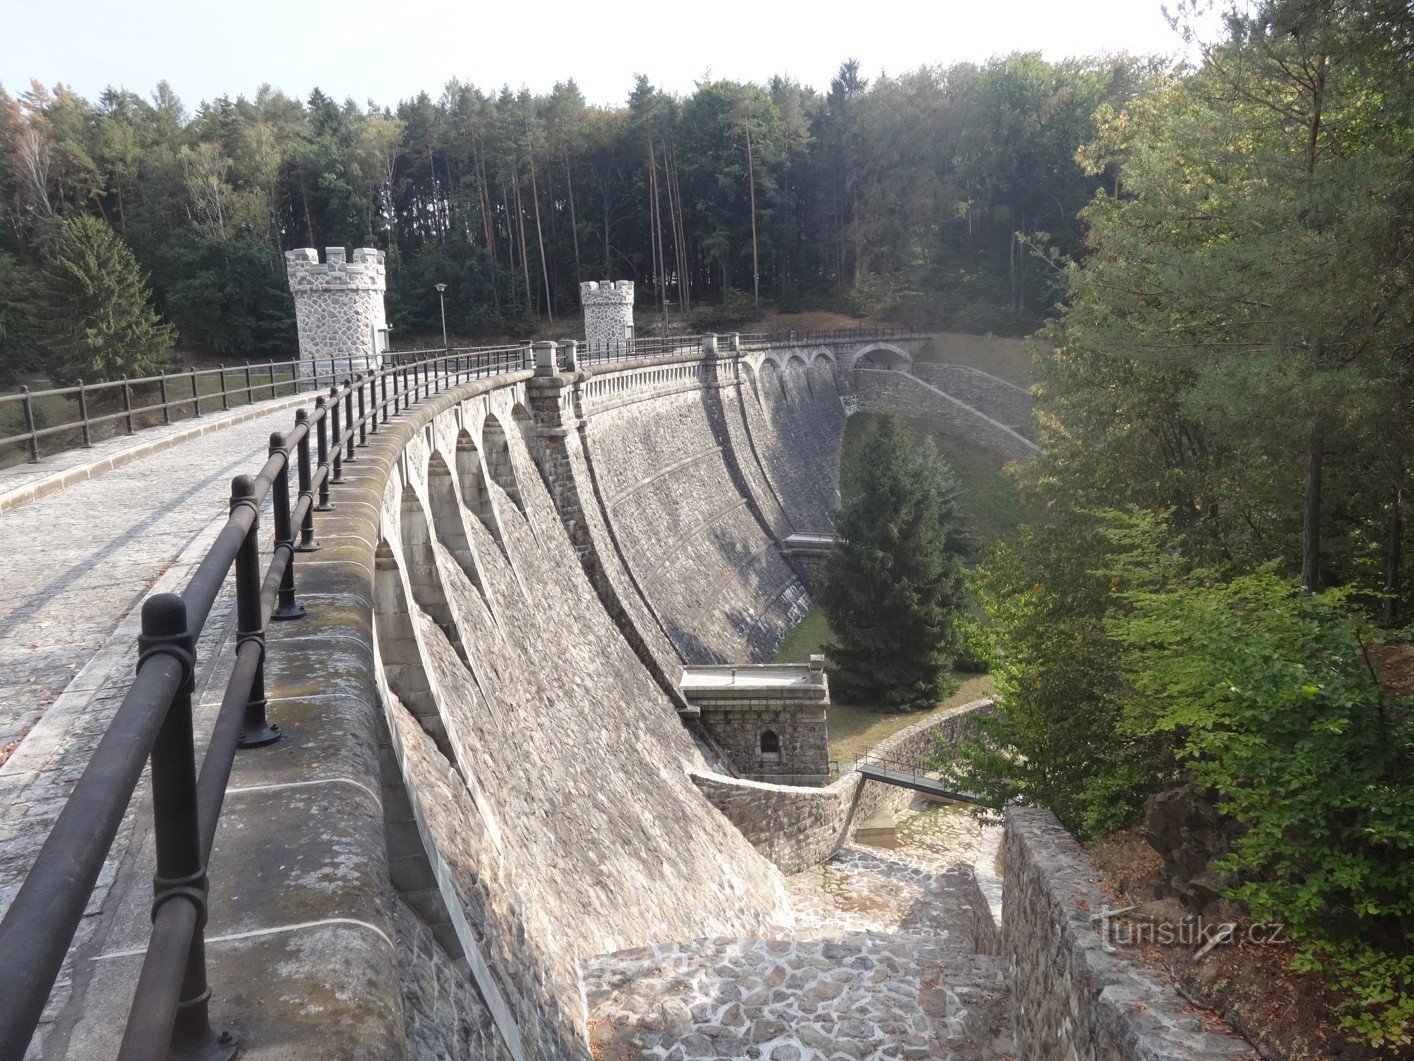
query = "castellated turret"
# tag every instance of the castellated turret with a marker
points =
(608, 313)
(339, 306)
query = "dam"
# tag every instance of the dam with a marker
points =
(495, 826)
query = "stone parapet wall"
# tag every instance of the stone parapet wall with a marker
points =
(797, 827)
(1070, 997)
(1002, 401)
(881, 388)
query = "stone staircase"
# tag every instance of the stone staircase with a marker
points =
(917, 990)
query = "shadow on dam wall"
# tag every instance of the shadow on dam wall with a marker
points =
(548, 554)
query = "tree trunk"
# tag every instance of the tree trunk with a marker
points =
(574, 221)
(1394, 546)
(540, 241)
(751, 185)
(1311, 514)
(655, 230)
(675, 196)
(524, 247)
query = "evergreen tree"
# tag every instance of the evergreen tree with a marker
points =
(97, 300)
(892, 589)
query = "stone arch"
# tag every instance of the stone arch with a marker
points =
(750, 385)
(496, 452)
(773, 384)
(420, 560)
(883, 355)
(398, 648)
(447, 522)
(475, 493)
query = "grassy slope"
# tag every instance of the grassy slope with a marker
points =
(992, 509)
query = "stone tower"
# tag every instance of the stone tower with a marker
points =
(339, 305)
(608, 313)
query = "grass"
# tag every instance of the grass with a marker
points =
(855, 728)
(990, 503)
(1008, 359)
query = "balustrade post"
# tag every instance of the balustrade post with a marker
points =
(349, 455)
(225, 398)
(286, 608)
(321, 411)
(195, 393)
(383, 386)
(256, 730)
(162, 392)
(28, 403)
(336, 445)
(362, 413)
(307, 544)
(181, 870)
(83, 416)
(128, 403)
(249, 386)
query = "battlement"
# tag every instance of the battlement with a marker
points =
(602, 292)
(365, 271)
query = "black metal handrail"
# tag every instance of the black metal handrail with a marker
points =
(169, 1011)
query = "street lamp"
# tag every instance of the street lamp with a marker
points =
(442, 302)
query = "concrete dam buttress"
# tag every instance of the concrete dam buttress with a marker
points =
(495, 826)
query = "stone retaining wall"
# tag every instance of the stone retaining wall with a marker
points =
(1002, 401)
(915, 397)
(1070, 997)
(796, 828)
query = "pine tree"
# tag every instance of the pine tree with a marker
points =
(893, 588)
(95, 308)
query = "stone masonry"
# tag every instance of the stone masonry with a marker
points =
(608, 313)
(339, 306)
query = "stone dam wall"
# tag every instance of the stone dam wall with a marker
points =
(549, 552)
(513, 577)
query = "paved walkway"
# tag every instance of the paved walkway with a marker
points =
(74, 567)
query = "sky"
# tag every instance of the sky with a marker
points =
(388, 51)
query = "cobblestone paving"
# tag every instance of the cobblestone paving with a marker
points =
(73, 569)
(882, 965)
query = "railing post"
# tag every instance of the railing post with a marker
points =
(29, 425)
(256, 730)
(225, 398)
(362, 413)
(181, 872)
(307, 544)
(350, 455)
(195, 394)
(335, 434)
(249, 386)
(162, 392)
(128, 403)
(83, 416)
(383, 386)
(272, 377)
(322, 452)
(406, 403)
(286, 608)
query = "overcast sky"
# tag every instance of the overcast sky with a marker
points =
(389, 51)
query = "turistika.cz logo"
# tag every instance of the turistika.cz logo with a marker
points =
(1196, 932)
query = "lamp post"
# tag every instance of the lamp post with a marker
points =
(442, 302)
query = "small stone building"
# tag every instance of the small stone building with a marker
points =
(769, 719)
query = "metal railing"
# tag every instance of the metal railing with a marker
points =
(169, 1013)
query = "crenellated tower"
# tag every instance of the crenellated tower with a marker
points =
(608, 313)
(339, 304)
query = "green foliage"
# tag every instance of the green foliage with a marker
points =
(1276, 708)
(16, 349)
(734, 310)
(1058, 738)
(892, 589)
(230, 296)
(95, 299)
